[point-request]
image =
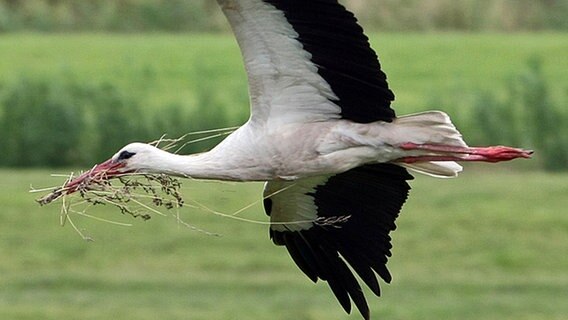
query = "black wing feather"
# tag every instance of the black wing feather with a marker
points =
(371, 196)
(303, 258)
(343, 55)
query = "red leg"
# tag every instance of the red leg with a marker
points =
(453, 153)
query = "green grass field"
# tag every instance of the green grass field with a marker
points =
(167, 69)
(489, 245)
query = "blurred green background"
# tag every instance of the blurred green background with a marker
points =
(79, 79)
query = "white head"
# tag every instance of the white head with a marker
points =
(138, 157)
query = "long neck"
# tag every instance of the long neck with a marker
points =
(207, 165)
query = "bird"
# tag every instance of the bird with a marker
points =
(323, 136)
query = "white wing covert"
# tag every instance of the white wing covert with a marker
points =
(307, 61)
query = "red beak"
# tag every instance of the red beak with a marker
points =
(100, 172)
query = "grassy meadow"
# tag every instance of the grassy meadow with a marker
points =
(489, 245)
(169, 68)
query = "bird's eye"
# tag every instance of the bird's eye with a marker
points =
(125, 155)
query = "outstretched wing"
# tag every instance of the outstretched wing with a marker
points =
(308, 60)
(329, 222)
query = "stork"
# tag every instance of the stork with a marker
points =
(324, 138)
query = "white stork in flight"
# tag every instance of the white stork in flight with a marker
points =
(323, 136)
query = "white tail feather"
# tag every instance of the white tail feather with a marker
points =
(437, 169)
(431, 127)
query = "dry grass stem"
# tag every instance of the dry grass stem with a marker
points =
(162, 189)
(137, 195)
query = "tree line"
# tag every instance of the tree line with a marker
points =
(51, 122)
(204, 16)
(56, 122)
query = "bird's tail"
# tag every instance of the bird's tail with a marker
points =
(436, 128)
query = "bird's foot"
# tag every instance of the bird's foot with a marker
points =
(458, 153)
